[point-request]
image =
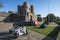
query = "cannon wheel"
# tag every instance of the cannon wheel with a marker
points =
(26, 32)
(10, 32)
(15, 35)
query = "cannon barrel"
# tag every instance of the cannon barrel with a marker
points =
(30, 23)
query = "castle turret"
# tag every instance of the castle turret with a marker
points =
(25, 3)
(32, 9)
(18, 8)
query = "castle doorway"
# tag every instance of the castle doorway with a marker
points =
(30, 18)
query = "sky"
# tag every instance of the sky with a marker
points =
(43, 7)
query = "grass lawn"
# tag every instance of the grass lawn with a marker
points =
(44, 31)
(53, 23)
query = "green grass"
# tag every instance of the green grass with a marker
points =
(44, 31)
(52, 23)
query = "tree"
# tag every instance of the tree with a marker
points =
(45, 18)
(10, 11)
(51, 17)
(58, 18)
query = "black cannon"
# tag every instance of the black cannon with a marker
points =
(19, 28)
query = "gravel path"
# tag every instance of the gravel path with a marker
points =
(31, 36)
(58, 37)
(5, 26)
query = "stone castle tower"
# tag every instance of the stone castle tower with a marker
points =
(26, 12)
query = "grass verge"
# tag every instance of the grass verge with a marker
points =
(44, 31)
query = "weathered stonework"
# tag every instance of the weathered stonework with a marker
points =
(26, 12)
